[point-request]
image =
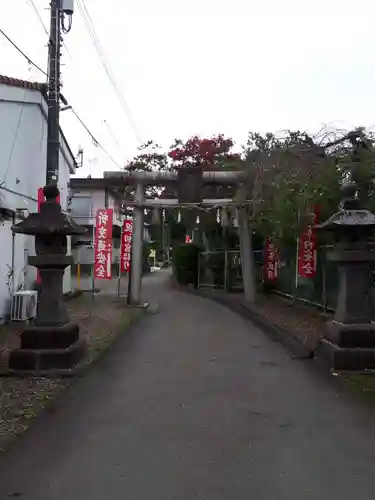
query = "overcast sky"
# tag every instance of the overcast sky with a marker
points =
(201, 67)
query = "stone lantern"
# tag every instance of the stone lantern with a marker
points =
(349, 339)
(51, 345)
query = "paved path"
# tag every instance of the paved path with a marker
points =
(196, 404)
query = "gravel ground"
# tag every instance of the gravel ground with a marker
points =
(21, 399)
(305, 322)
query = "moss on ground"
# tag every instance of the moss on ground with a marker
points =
(363, 383)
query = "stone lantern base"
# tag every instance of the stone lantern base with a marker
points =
(349, 346)
(48, 351)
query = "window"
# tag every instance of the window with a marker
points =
(81, 206)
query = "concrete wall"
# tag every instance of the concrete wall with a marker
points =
(23, 149)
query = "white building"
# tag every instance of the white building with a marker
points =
(88, 195)
(23, 152)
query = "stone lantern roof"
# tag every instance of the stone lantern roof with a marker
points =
(350, 214)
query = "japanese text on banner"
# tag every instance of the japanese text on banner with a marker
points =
(126, 244)
(103, 244)
(307, 251)
(271, 261)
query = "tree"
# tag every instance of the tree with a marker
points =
(285, 178)
(358, 164)
(209, 154)
(150, 158)
(196, 151)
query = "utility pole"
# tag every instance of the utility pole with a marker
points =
(54, 55)
(59, 10)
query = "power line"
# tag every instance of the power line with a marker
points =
(95, 141)
(30, 61)
(111, 132)
(35, 8)
(99, 49)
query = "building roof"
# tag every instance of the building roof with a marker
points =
(15, 82)
(42, 88)
(90, 183)
(82, 183)
(97, 183)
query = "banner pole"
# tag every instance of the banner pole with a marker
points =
(119, 261)
(128, 299)
(93, 261)
(297, 254)
(296, 273)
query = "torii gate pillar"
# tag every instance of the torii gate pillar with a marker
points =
(135, 292)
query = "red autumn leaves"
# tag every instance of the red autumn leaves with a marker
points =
(202, 151)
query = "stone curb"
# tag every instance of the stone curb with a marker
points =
(88, 363)
(294, 346)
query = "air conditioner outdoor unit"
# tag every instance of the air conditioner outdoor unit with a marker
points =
(23, 306)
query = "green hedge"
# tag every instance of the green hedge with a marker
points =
(146, 265)
(185, 263)
(216, 264)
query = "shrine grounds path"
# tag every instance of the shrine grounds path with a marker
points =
(196, 404)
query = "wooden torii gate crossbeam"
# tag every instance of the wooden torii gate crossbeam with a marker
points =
(143, 179)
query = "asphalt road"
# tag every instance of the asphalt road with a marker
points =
(196, 404)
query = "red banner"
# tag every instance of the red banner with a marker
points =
(126, 245)
(103, 244)
(41, 198)
(271, 261)
(307, 250)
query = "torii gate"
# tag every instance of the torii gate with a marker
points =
(143, 179)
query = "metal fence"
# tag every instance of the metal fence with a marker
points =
(222, 269)
(320, 290)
